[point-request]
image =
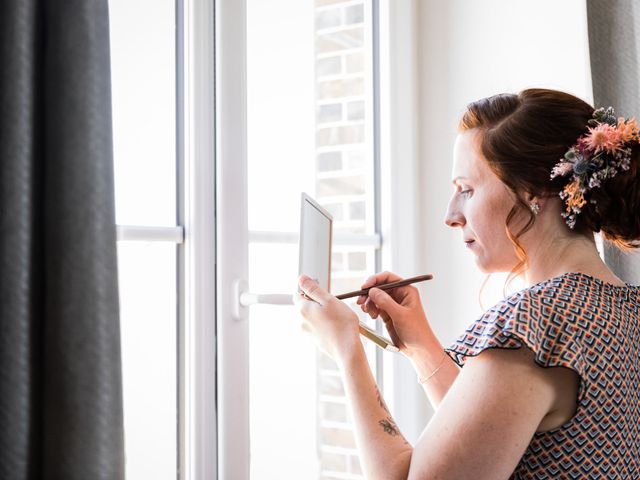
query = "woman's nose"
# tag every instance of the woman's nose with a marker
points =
(454, 217)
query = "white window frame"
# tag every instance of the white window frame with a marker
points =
(233, 239)
(197, 142)
(232, 368)
(195, 239)
(214, 359)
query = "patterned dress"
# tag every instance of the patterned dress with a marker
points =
(580, 322)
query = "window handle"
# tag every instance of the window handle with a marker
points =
(247, 298)
(243, 299)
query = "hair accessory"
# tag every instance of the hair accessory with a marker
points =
(535, 207)
(597, 155)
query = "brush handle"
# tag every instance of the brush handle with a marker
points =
(386, 286)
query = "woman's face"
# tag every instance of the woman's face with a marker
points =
(479, 206)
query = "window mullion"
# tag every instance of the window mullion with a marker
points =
(128, 233)
(232, 345)
(198, 389)
(339, 239)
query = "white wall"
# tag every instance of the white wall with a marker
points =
(463, 50)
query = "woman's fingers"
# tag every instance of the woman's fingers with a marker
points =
(392, 333)
(312, 290)
(398, 294)
(369, 308)
(372, 308)
(383, 277)
(388, 324)
(384, 301)
(385, 316)
(372, 281)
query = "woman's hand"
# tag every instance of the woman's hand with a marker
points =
(402, 312)
(333, 324)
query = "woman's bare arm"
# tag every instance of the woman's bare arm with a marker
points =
(462, 438)
(384, 452)
(487, 419)
(426, 361)
(404, 318)
(496, 404)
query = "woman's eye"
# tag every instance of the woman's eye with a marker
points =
(465, 192)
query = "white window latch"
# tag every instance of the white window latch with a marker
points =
(244, 299)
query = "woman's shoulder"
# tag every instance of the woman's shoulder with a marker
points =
(570, 284)
(571, 295)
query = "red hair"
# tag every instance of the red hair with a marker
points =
(523, 136)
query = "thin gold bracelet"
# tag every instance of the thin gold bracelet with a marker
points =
(424, 380)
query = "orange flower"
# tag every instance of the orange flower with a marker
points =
(575, 197)
(603, 137)
(628, 130)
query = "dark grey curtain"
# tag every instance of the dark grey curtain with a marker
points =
(614, 45)
(60, 372)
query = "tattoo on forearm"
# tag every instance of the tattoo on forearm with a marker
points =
(381, 401)
(389, 426)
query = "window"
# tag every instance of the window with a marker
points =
(200, 382)
(309, 128)
(144, 133)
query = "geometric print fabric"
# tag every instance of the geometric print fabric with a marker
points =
(583, 323)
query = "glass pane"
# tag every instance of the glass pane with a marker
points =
(309, 111)
(282, 375)
(300, 425)
(309, 129)
(147, 276)
(143, 101)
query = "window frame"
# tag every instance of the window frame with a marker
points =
(197, 141)
(234, 237)
(396, 191)
(195, 239)
(172, 234)
(211, 226)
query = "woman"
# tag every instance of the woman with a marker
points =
(550, 384)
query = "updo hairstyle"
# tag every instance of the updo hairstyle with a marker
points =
(523, 136)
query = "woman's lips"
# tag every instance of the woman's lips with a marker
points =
(469, 242)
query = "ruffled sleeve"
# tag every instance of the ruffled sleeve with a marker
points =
(542, 320)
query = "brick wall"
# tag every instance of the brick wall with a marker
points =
(343, 184)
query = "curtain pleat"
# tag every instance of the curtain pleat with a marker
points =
(614, 46)
(21, 267)
(60, 370)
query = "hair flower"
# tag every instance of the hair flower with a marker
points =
(603, 137)
(596, 156)
(628, 129)
(581, 166)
